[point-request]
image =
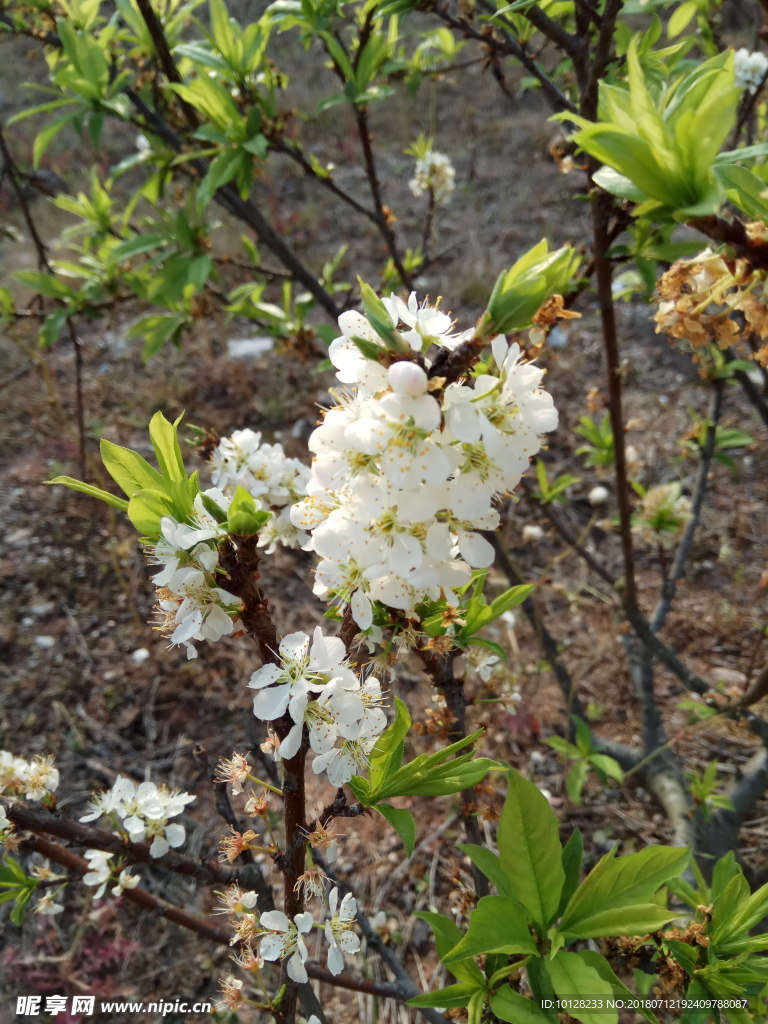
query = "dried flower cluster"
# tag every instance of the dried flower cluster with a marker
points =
(710, 298)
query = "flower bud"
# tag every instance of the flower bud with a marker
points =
(407, 378)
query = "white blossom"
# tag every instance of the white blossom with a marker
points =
(99, 871)
(144, 811)
(403, 479)
(750, 68)
(433, 171)
(283, 940)
(341, 939)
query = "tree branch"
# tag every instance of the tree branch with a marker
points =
(677, 570)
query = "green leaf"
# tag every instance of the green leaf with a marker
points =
(449, 997)
(497, 925)
(619, 989)
(744, 916)
(530, 850)
(572, 976)
(510, 599)
(146, 509)
(680, 18)
(447, 935)
(509, 1006)
(618, 184)
(135, 246)
(633, 920)
(573, 854)
(621, 882)
(575, 779)
(91, 491)
(129, 470)
(44, 137)
(244, 517)
(164, 436)
(489, 863)
(608, 765)
(402, 821)
(156, 331)
(387, 755)
(52, 327)
(46, 284)
(222, 169)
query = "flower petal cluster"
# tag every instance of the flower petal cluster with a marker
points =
(749, 68)
(269, 475)
(403, 482)
(435, 173)
(100, 872)
(190, 603)
(315, 685)
(283, 939)
(341, 939)
(144, 811)
(29, 780)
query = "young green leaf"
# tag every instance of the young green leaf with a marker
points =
(510, 1006)
(613, 883)
(91, 491)
(450, 997)
(572, 976)
(402, 821)
(447, 935)
(530, 850)
(497, 925)
(129, 470)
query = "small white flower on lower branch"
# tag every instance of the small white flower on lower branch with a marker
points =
(341, 939)
(283, 939)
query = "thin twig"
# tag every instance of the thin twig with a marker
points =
(44, 264)
(677, 570)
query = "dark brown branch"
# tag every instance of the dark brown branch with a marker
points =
(600, 58)
(210, 871)
(720, 834)
(239, 558)
(602, 205)
(511, 47)
(200, 926)
(569, 44)
(733, 233)
(43, 262)
(677, 570)
(440, 668)
(164, 55)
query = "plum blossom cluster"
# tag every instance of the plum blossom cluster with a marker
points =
(101, 872)
(406, 471)
(191, 605)
(27, 780)
(435, 173)
(268, 475)
(283, 939)
(316, 686)
(749, 68)
(144, 811)
(280, 938)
